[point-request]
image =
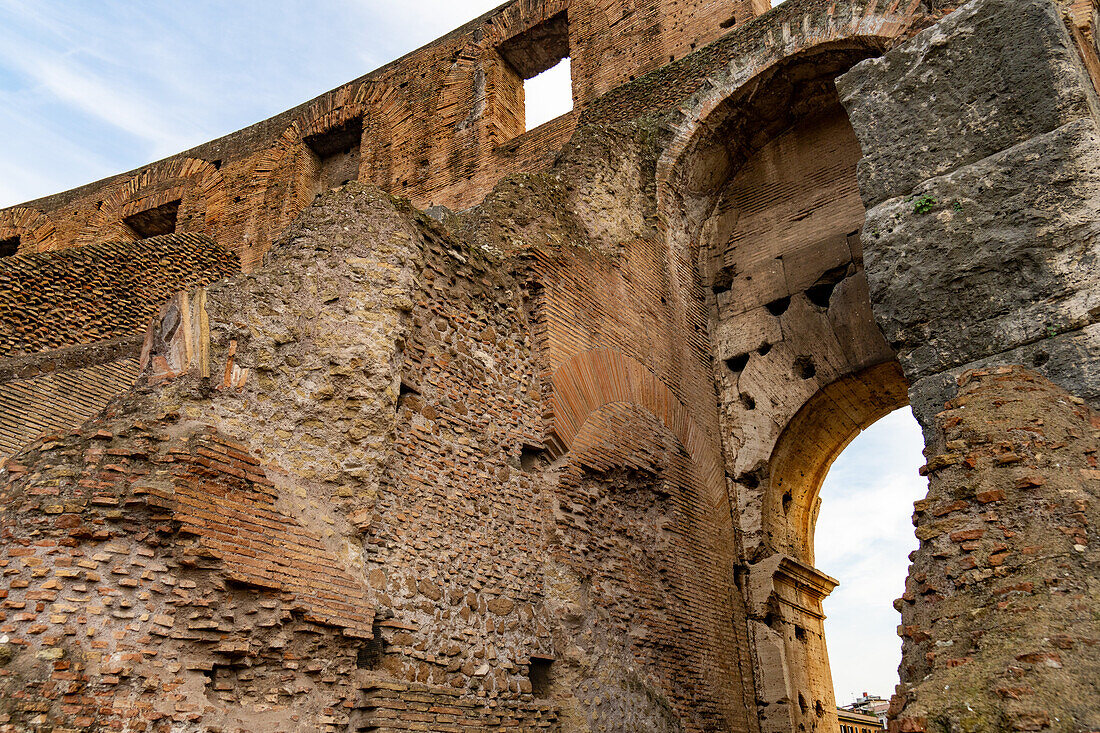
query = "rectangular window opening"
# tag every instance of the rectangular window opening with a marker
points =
(540, 58)
(154, 222)
(548, 95)
(338, 153)
(539, 674)
(9, 246)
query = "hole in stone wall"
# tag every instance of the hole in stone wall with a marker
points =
(539, 674)
(154, 222)
(737, 363)
(763, 349)
(370, 655)
(802, 704)
(779, 307)
(408, 396)
(800, 633)
(787, 501)
(747, 401)
(9, 246)
(723, 279)
(819, 709)
(1040, 358)
(821, 291)
(540, 57)
(804, 367)
(728, 22)
(338, 153)
(531, 457)
(740, 572)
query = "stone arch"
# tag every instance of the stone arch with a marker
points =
(829, 43)
(758, 187)
(197, 184)
(793, 306)
(34, 229)
(283, 181)
(812, 440)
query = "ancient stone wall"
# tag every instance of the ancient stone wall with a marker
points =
(552, 463)
(415, 503)
(440, 126)
(244, 202)
(984, 193)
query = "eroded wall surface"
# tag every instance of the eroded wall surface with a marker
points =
(980, 157)
(552, 463)
(400, 476)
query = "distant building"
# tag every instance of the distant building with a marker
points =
(856, 722)
(868, 705)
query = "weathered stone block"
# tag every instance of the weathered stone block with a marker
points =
(989, 76)
(1005, 255)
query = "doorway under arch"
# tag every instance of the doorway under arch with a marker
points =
(766, 198)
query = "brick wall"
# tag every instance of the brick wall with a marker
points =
(440, 126)
(98, 293)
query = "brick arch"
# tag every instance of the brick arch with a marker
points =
(849, 34)
(812, 440)
(276, 193)
(598, 377)
(198, 182)
(34, 229)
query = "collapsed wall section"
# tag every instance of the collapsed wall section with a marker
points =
(333, 500)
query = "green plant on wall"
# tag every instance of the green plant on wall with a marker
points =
(923, 204)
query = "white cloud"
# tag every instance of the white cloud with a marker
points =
(863, 538)
(96, 97)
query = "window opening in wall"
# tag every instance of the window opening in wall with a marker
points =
(548, 95)
(863, 537)
(540, 676)
(337, 154)
(540, 58)
(154, 222)
(9, 246)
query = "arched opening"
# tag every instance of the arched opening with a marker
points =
(863, 537)
(766, 195)
(787, 589)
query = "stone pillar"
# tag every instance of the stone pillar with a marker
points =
(787, 623)
(981, 173)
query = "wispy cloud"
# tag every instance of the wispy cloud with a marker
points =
(128, 83)
(93, 96)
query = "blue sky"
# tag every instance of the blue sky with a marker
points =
(88, 90)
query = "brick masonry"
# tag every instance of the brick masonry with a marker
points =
(552, 462)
